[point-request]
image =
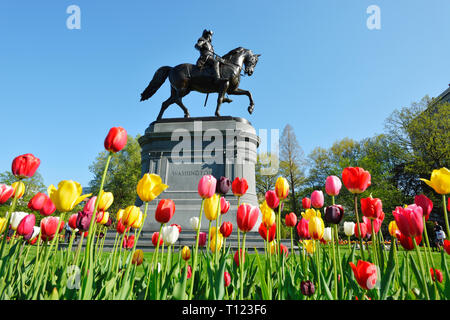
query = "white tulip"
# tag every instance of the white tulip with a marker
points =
(16, 217)
(194, 223)
(327, 235)
(170, 234)
(349, 228)
(36, 231)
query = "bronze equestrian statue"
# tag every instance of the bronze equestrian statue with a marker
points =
(209, 75)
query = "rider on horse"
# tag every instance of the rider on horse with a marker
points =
(207, 53)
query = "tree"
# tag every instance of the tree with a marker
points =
(123, 176)
(291, 163)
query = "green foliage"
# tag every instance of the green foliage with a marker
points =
(123, 176)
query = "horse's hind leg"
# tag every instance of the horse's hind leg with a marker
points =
(179, 102)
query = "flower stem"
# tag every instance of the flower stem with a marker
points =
(419, 256)
(444, 205)
(359, 228)
(194, 267)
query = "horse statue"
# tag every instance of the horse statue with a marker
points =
(186, 77)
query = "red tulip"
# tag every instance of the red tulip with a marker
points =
(406, 241)
(284, 249)
(371, 207)
(42, 203)
(291, 219)
(202, 239)
(26, 225)
(73, 221)
(239, 186)
(333, 185)
(155, 239)
(363, 228)
(6, 192)
(128, 242)
(409, 220)
(365, 274)
(376, 224)
(356, 179)
(189, 272)
(224, 205)
(425, 203)
(226, 228)
(236, 257)
(447, 246)
(25, 166)
(306, 203)
(116, 139)
(227, 278)
(317, 199)
(272, 199)
(207, 186)
(49, 226)
(121, 228)
(165, 210)
(263, 232)
(303, 229)
(247, 215)
(438, 274)
(89, 206)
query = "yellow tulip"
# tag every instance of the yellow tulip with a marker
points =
(105, 218)
(130, 215)
(186, 253)
(106, 200)
(212, 244)
(2, 225)
(212, 232)
(211, 206)
(273, 246)
(316, 228)
(20, 187)
(150, 186)
(392, 228)
(439, 181)
(281, 188)
(67, 196)
(310, 246)
(138, 223)
(309, 213)
(119, 214)
(268, 215)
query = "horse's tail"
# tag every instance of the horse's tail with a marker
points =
(158, 79)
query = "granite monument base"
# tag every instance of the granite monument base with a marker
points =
(182, 150)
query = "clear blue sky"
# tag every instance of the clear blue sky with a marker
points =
(321, 70)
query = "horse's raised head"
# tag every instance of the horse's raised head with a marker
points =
(250, 62)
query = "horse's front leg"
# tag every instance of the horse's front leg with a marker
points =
(240, 92)
(221, 97)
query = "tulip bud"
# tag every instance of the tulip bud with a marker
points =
(272, 199)
(19, 189)
(306, 203)
(25, 166)
(281, 188)
(317, 199)
(439, 277)
(2, 225)
(155, 237)
(223, 185)
(392, 228)
(291, 219)
(138, 257)
(334, 214)
(316, 228)
(247, 215)
(214, 240)
(363, 228)
(349, 228)
(26, 225)
(202, 239)
(226, 228)
(239, 186)
(224, 205)
(303, 229)
(121, 228)
(425, 203)
(264, 232)
(165, 210)
(409, 220)
(211, 206)
(185, 253)
(194, 222)
(307, 288)
(207, 186)
(130, 215)
(106, 200)
(333, 185)
(128, 242)
(446, 246)
(327, 234)
(239, 255)
(170, 234)
(116, 139)
(227, 278)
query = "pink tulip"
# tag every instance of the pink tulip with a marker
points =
(26, 225)
(426, 204)
(247, 215)
(227, 278)
(224, 205)
(333, 185)
(202, 239)
(409, 220)
(90, 205)
(207, 186)
(317, 199)
(272, 199)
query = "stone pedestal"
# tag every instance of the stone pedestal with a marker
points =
(182, 150)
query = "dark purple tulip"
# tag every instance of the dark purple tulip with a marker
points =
(223, 185)
(334, 214)
(307, 288)
(84, 220)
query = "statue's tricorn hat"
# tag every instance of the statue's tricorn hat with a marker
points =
(207, 33)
